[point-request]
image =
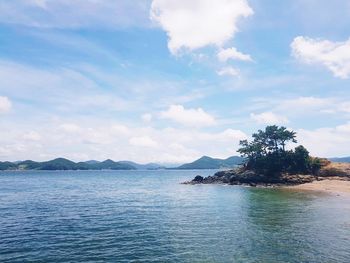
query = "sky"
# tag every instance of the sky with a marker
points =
(170, 80)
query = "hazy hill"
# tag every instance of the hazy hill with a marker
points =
(340, 159)
(65, 164)
(92, 162)
(207, 162)
(58, 164)
(112, 165)
(148, 166)
(7, 166)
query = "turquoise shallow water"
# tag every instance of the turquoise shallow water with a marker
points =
(147, 216)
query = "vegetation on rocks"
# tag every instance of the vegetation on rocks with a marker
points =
(269, 161)
(267, 153)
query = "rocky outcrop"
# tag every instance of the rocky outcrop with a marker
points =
(242, 176)
(335, 169)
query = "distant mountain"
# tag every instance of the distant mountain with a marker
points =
(204, 162)
(58, 164)
(340, 159)
(148, 166)
(92, 162)
(112, 165)
(65, 164)
(207, 162)
(28, 165)
(7, 166)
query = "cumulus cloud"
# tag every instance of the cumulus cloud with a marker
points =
(228, 71)
(327, 141)
(5, 104)
(333, 55)
(143, 141)
(198, 23)
(268, 118)
(232, 53)
(189, 117)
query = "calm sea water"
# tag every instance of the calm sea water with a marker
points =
(147, 216)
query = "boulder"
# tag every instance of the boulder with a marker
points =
(198, 179)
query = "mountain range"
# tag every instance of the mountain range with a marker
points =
(204, 162)
(207, 162)
(340, 159)
(65, 164)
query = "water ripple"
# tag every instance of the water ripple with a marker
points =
(147, 216)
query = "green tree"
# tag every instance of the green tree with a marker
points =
(300, 161)
(267, 153)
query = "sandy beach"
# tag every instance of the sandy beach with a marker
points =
(330, 186)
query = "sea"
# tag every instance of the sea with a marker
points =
(148, 216)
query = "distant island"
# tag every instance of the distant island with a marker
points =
(65, 164)
(207, 162)
(268, 162)
(204, 162)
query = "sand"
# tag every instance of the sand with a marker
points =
(330, 186)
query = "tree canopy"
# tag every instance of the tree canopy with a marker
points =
(267, 153)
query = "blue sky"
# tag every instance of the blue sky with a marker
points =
(170, 81)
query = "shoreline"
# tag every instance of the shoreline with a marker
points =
(331, 186)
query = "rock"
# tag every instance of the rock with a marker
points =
(198, 179)
(251, 178)
(241, 175)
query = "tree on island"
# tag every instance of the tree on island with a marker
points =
(267, 154)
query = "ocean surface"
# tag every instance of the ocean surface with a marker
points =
(148, 216)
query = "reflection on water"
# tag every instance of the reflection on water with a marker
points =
(299, 226)
(147, 216)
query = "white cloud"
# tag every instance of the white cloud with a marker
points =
(314, 106)
(147, 117)
(228, 135)
(32, 136)
(198, 23)
(306, 102)
(54, 88)
(268, 118)
(5, 104)
(143, 141)
(228, 71)
(307, 105)
(120, 129)
(344, 106)
(189, 117)
(70, 127)
(75, 14)
(326, 142)
(40, 3)
(333, 55)
(98, 139)
(232, 53)
(302, 107)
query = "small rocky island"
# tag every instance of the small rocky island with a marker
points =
(269, 163)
